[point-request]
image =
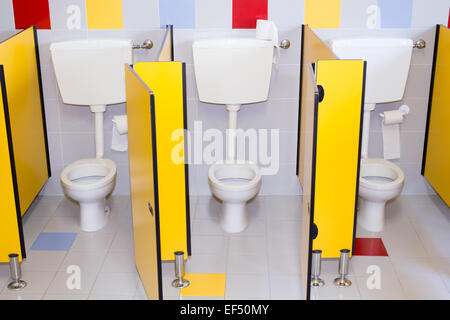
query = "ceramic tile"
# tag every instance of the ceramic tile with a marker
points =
(206, 227)
(119, 261)
(284, 228)
(62, 284)
(284, 287)
(286, 13)
(90, 262)
(92, 242)
(213, 15)
(332, 292)
(209, 244)
(140, 15)
(256, 227)
(247, 286)
(369, 247)
(425, 15)
(63, 224)
(123, 241)
(280, 264)
(425, 288)
(442, 267)
(247, 264)
(283, 207)
(359, 265)
(247, 245)
(39, 260)
(54, 241)
(7, 21)
(37, 283)
(114, 284)
(68, 14)
(389, 288)
(284, 245)
(181, 14)
(206, 263)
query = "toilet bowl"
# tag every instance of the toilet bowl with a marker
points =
(89, 181)
(380, 181)
(234, 183)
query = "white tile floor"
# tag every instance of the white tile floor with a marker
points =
(262, 262)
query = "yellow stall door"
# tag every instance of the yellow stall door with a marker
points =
(338, 153)
(144, 183)
(167, 81)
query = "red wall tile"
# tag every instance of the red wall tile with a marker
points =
(448, 25)
(31, 12)
(246, 12)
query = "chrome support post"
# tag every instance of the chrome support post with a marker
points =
(316, 281)
(16, 273)
(179, 282)
(343, 269)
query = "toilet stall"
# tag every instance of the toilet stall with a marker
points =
(329, 143)
(24, 156)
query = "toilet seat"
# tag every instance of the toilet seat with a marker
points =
(380, 168)
(222, 174)
(85, 168)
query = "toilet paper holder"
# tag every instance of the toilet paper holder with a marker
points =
(404, 109)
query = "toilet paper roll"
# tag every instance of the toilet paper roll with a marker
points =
(391, 134)
(267, 30)
(119, 141)
(392, 117)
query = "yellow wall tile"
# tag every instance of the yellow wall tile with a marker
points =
(323, 14)
(104, 14)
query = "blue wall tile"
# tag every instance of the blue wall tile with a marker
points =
(180, 13)
(395, 13)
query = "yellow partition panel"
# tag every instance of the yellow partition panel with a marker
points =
(144, 183)
(313, 49)
(10, 241)
(167, 81)
(338, 153)
(436, 160)
(19, 57)
(166, 51)
(310, 99)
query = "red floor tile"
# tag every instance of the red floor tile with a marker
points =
(369, 247)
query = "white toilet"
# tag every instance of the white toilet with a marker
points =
(233, 71)
(234, 184)
(91, 73)
(388, 62)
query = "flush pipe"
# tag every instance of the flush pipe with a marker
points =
(232, 131)
(98, 111)
(368, 108)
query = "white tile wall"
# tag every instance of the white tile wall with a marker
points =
(71, 128)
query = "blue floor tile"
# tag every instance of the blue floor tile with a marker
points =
(54, 241)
